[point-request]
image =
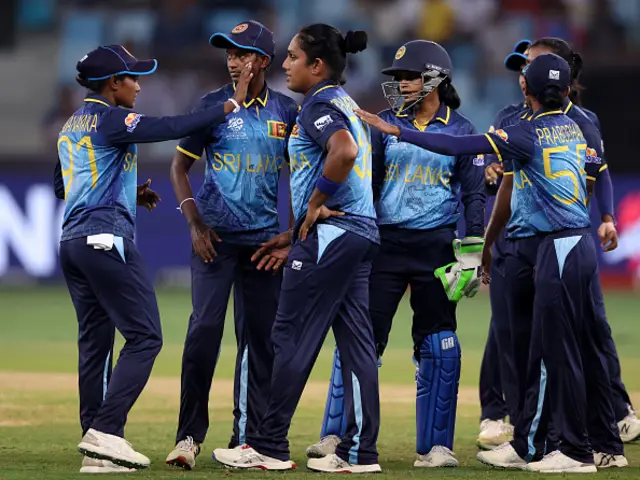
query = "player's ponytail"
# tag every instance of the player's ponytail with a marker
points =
(551, 98)
(448, 95)
(355, 41)
(324, 42)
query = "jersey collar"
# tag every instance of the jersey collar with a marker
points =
(544, 113)
(324, 85)
(259, 100)
(568, 105)
(99, 99)
(443, 115)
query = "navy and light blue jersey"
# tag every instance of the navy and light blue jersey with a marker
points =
(509, 115)
(245, 156)
(420, 189)
(547, 156)
(593, 117)
(98, 160)
(591, 131)
(324, 111)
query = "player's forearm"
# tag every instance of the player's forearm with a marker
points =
(179, 174)
(501, 211)
(604, 195)
(342, 152)
(58, 181)
(447, 144)
(474, 213)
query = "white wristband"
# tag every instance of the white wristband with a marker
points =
(182, 202)
(237, 109)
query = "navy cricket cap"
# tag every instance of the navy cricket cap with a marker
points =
(517, 59)
(109, 60)
(249, 35)
(418, 56)
(545, 71)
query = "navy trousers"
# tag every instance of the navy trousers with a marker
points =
(255, 304)
(498, 373)
(109, 290)
(621, 400)
(325, 285)
(567, 380)
(408, 258)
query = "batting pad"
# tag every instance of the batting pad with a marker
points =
(335, 417)
(437, 391)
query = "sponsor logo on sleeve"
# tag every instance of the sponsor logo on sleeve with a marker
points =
(131, 121)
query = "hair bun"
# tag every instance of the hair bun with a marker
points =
(577, 60)
(355, 41)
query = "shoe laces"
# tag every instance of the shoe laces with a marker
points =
(329, 439)
(552, 455)
(443, 450)
(606, 459)
(337, 462)
(506, 428)
(188, 444)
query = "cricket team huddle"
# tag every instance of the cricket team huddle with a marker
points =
(375, 201)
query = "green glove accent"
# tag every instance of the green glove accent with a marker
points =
(463, 277)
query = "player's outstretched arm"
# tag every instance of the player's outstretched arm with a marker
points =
(434, 142)
(122, 127)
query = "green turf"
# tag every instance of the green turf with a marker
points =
(37, 334)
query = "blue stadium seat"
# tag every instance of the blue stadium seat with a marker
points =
(224, 20)
(80, 32)
(136, 27)
(502, 89)
(464, 57)
(36, 14)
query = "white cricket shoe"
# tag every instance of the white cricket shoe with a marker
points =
(608, 460)
(629, 427)
(326, 446)
(558, 462)
(246, 457)
(503, 456)
(334, 464)
(184, 454)
(493, 433)
(93, 465)
(439, 456)
(104, 446)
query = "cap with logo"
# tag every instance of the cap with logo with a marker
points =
(517, 59)
(419, 56)
(109, 60)
(545, 71)
(249, 35)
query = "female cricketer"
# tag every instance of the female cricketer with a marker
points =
(97, 150)
(628, 423)
(548, 155)
(233, 213)
(326, 278)
(416, 193)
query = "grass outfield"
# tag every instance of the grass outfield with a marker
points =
(38, 358)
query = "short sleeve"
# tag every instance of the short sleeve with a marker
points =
(515, 142)
(321, 120)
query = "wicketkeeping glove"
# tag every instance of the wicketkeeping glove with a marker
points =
(463, 277)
